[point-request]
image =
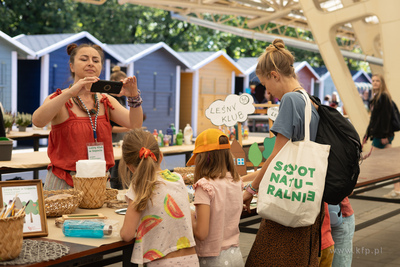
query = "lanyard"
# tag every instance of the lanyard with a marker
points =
(94, 127)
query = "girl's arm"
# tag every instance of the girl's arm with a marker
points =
(131, 222)
(249, 177)
(201, 223)
(280, 141)
(119, 129)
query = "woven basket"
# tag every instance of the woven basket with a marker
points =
(94, 191)
(58, 207)
(11, 231)
(187, 174)
(111, 194)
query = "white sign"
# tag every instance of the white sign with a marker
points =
(234, 109)
(273, 113)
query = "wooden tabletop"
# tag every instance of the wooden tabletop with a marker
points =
(383, 164)
(38, 159)
(30, 132)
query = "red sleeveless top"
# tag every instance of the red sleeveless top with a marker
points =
(68, 140)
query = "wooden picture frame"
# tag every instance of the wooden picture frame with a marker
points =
(35, 223)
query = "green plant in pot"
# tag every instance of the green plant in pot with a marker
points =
(8, 121)
(23, 120)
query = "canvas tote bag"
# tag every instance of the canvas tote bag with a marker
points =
(291, 190)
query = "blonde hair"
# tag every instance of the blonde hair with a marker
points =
(276, 58)
(144, 178)
(117, 74)
(381, 90)
(215, 164)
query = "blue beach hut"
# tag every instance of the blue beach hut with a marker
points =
(10, 52)
(41, 77)
(157, 68)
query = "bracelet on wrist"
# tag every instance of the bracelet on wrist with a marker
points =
(135, 101)
(250, 189)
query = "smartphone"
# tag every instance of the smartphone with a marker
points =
(103, 86)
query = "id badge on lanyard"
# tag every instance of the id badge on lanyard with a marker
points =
(95, 150)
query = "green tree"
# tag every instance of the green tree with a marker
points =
(36, 17)
(113, 23)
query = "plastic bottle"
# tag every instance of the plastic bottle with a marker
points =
(86, 228)
(246, 134)
(169, 133)
(179, 138)
(173, 140)
(160, 139)
(155, 134)
(187, 134)
(167, 140)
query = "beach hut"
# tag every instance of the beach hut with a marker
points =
(41, 77)
(211, 76)
(308, 77)
(248, 65)
(361, 79)
(10, 52)
(157, 68)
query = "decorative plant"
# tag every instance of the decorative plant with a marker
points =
(8, 120)
(23, 119)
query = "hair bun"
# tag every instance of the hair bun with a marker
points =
(278, 43)
(70, 48)
(116, 68)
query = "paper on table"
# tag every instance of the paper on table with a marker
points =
(90, 168)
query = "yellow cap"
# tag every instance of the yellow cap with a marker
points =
(208, 140)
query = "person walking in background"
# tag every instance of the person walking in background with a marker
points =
(80, 117)
(275, 244)
(158, 213)
(343, 236)
(117, 131)
(218, 201)
(380, 124)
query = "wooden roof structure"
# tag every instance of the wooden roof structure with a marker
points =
(333, 28)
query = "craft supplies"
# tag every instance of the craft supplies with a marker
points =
(11, 230)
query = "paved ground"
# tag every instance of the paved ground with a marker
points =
(376, 244)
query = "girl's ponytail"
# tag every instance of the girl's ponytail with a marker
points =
(140, 151)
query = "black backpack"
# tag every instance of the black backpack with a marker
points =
(345, 153)
(395, 117)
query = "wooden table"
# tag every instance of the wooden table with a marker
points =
(380, 169)
(38, 160)
(89, 251)
(30, 134)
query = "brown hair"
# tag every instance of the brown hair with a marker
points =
(215, 164)
(144, 178)
(117, 74)
(276, 58)
(73, 48)
(381, 90)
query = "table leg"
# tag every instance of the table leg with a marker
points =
(188, 155)
(36, 174)
(126, 257)
(35, 144)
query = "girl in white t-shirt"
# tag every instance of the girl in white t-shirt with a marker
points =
(158, 215)
(218, 201)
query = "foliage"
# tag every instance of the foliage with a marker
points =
(8, 120)
(23, 119)
(113, 23)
